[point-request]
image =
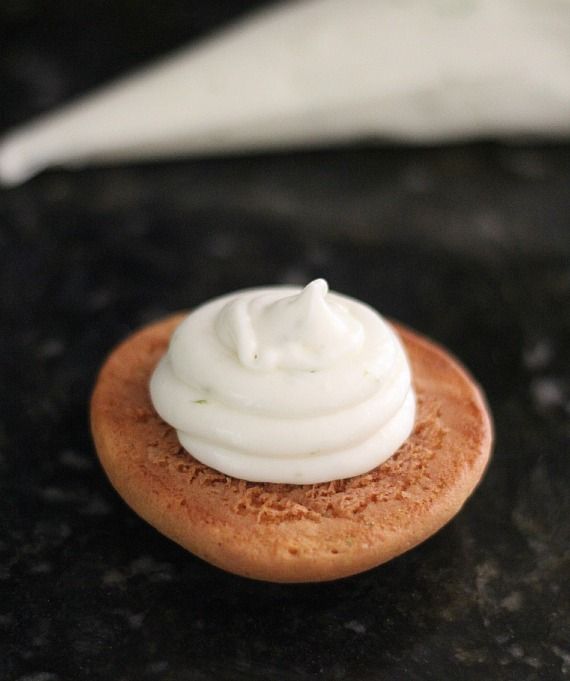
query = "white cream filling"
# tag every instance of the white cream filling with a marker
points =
(286, 385)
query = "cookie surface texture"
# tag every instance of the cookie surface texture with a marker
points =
(292, 533)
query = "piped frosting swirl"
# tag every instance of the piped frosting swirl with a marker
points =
(286, 385)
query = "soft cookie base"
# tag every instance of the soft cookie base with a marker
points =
(293, 533)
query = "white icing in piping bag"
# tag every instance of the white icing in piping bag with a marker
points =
(320, 71)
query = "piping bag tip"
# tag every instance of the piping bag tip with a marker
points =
(15, 166)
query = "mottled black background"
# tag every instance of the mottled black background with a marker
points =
(469, 244)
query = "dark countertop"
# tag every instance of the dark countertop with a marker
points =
(470, 245)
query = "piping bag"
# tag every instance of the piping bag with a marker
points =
(316, 72)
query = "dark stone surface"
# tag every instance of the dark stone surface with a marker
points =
(470, 245)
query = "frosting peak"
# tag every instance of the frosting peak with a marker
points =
(306, 331)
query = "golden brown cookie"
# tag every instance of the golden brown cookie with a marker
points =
(293, 533)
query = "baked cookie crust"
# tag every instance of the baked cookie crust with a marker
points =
(293, 533)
